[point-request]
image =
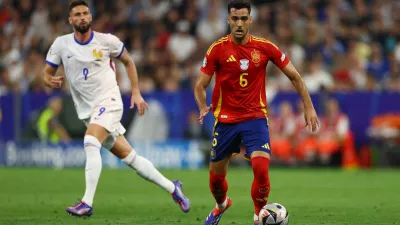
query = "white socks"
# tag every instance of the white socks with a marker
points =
(223, 205)
(255, 217)
(93, 167)
(146, 169)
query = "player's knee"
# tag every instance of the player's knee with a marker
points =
(97, 131)
(91, 141)
(265, 154)
(109, 142)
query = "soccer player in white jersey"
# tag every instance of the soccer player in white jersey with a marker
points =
(87, 59)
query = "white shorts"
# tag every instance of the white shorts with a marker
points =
(108, 114)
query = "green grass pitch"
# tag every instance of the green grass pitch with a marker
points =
(312, 196)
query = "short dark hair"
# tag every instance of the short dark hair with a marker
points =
(239, 4)
(76, 3)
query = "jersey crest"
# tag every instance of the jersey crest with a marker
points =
(255, 57)
(97, 54)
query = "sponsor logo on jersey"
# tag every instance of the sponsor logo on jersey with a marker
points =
(244, 64)
(266, 146)
(231, 59)
(205, 62)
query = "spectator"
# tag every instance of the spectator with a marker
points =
(48, 126)
(335, 128)
(378, 66)
(305, 142)
(282, 127)
(182, 45)
(317, 77)
(364, 31)
(211, 28)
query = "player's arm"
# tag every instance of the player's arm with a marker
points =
(49, 78)
(298, 82)
(53, 60)
(203, 80)
(131, 70)
(284, 64)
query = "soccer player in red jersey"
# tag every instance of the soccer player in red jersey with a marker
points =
(239, 105)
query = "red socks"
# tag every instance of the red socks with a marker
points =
(218, 187)
(261, 186)
(259, 189)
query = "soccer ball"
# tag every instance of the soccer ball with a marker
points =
(274, 214)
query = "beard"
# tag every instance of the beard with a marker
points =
(82, 28)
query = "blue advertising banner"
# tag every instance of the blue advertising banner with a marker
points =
(361, 107)
(166, 155)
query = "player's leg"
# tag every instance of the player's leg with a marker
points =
(104, 120)
(261, 185)
(218, 184)
(95, 135)
(225, 142)
(121, 148)
(255, 137)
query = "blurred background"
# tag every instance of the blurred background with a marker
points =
(348, 52)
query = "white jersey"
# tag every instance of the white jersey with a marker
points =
(88, 67)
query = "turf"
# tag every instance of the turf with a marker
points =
(39, 196)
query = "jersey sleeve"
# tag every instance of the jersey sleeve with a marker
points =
(116, 46)
(210, 60)
(53, 57)
(276, 56)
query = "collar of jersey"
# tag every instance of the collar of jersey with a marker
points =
(86, 42)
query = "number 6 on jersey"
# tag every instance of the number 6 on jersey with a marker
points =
(243, 81)
(85, 73)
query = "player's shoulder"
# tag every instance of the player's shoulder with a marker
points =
(104, 36)
(262, 41)
(63, 39)
(218, 43)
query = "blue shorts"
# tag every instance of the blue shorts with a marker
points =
(228, 138)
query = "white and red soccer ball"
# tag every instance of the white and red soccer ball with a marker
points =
(274, 214)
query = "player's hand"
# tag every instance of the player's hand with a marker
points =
(203, 113)
(311, 119)
(138, 100)
(56, 81)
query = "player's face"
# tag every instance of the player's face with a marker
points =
(81, 18)
(239, 20)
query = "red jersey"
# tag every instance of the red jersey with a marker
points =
(239, 93)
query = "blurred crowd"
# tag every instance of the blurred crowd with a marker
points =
(336, 45)
(293, 142)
